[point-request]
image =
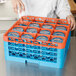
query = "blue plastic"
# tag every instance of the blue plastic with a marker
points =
(59, 34)
(61, 28)
(50, 57)
(47, 26)
(28, 20)
(18, 29)
(39, 21)
(57, 39)
(14, 34)
(43, 38)
(23, 25)
(63, 24)
(50, 23)
(27, 36)
(45, 32)
(34, 25)
(31, 30)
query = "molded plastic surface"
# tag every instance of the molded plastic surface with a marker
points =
(37, 47)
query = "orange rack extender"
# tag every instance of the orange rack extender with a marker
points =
(40, 40)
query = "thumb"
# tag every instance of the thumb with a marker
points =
(69, 21)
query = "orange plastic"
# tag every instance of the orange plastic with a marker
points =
(53, 25)
(42, 19)
(40, 24)
(27, 18)
(34, 41)
(35, 28)
(51, 30)
(62, 32)
(51, 20)
(33, 34)
(23, 22)
(62, 21)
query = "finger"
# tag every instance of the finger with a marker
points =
(19, 7)
(23, 7)
(73, 26)
(72, 23)
(14, 6)
(69, 21)
(15, 9)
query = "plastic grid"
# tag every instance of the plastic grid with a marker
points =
(39, 50)
(32, 52)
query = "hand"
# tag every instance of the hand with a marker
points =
(18, 5)
(71, 20)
